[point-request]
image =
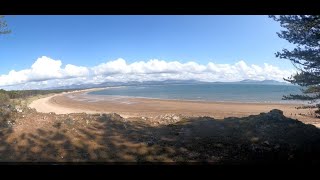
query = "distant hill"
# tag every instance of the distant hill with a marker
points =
(250, 81)
(130, 83)
(139, 83)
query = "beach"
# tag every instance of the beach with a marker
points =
(80, 101)
(127, 129)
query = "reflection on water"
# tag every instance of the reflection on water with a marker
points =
(253, 93)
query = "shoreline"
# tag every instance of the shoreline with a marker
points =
(44, 105)
(82, 102)
(239, 101)
(200, 101)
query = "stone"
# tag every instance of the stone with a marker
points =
(176, 118)
(266, 143)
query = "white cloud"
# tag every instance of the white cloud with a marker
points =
(118, 66)
(47, 72)
(43, 69)
(76, 71)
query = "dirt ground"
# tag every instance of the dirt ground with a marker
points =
(29, 136)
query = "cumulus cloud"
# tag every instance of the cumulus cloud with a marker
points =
(76, 71)
(47, 72)
(43, 69)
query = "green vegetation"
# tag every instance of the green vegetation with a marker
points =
(24, 97)
(304, 32)
(12, 101)
(4, 98)
(3, 26)
(28, 93)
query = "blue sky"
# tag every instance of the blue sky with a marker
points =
(92, 40)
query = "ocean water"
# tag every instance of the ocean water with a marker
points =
(261, 93)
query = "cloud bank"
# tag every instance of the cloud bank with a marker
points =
(47, 72)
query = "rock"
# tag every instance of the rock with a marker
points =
(176, 118)
(266, 143)
(167, 119)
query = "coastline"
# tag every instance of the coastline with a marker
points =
(45, 105)
(216, 96)
(199, 100)
(82, 102)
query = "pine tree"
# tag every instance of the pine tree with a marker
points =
(304, 32)
(3, 26)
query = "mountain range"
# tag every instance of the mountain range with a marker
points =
(262, 82)
(137, 83)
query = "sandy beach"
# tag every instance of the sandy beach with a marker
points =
(80, 101)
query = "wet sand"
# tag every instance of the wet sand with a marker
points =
(80, 101)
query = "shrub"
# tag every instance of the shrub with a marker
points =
(4, 99)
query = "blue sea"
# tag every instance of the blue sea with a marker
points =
(228, 92)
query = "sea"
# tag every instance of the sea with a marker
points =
(228, 92)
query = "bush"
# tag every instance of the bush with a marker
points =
(4, 99)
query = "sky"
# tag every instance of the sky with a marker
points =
(49, 51)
